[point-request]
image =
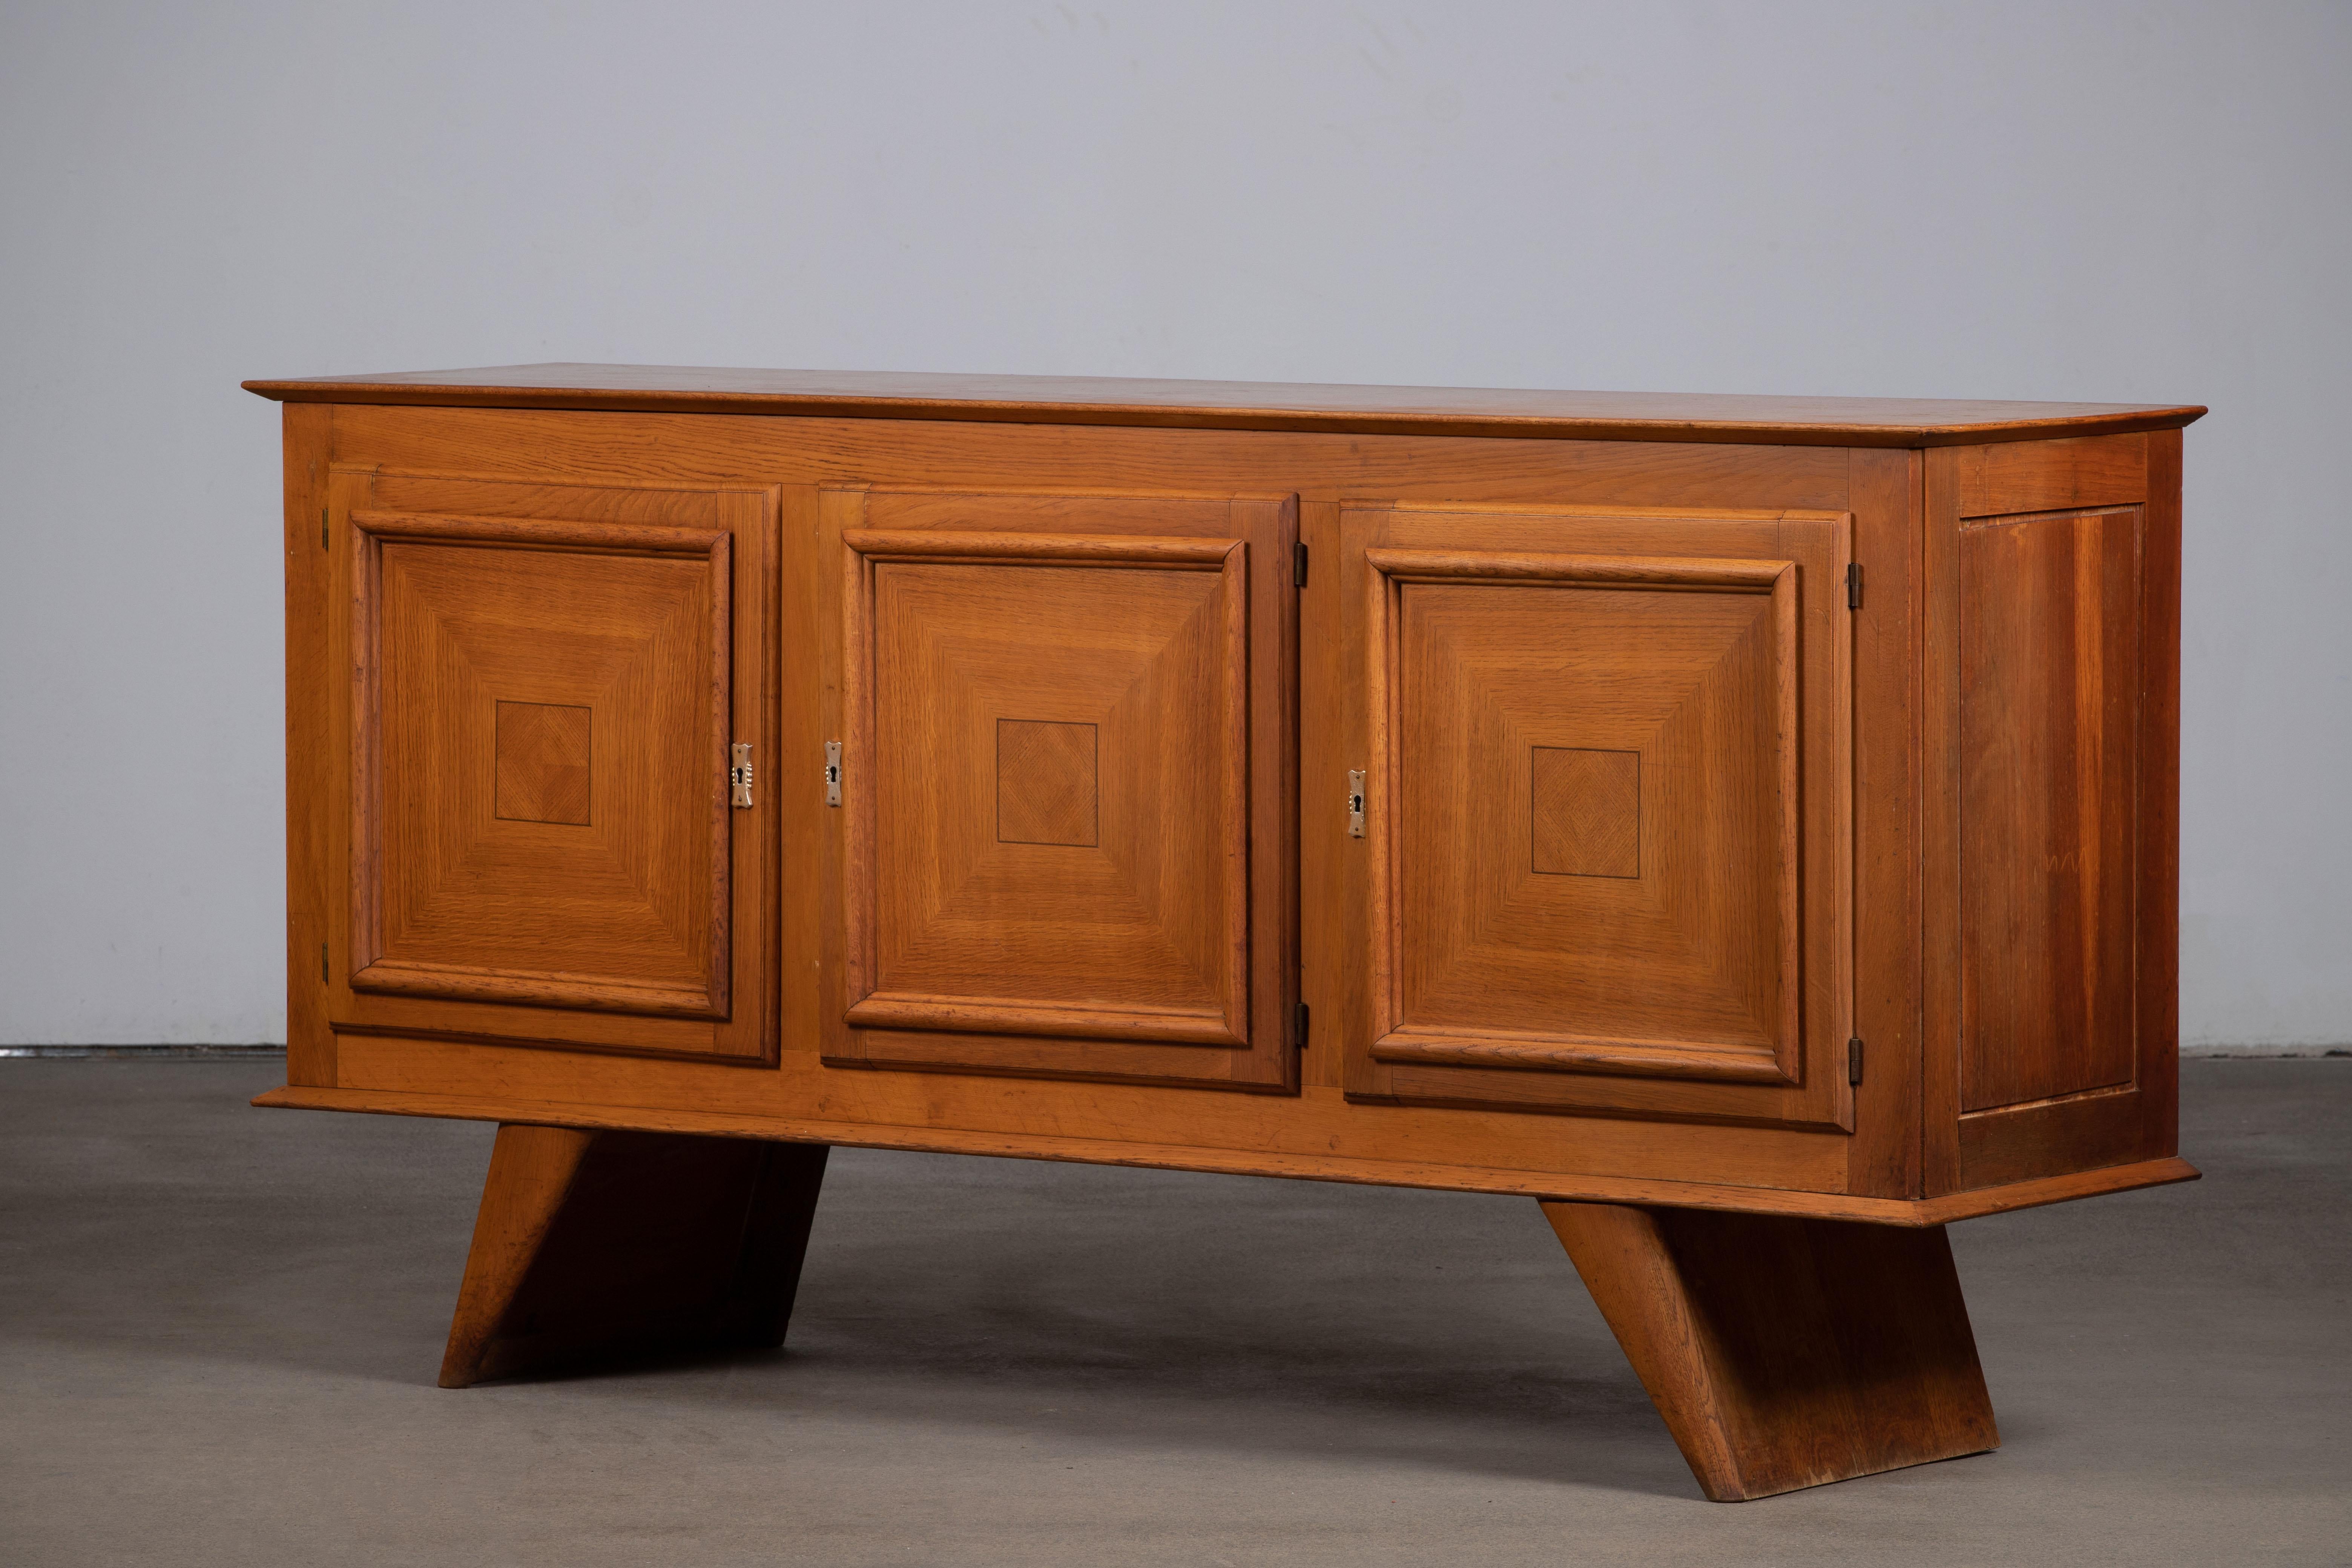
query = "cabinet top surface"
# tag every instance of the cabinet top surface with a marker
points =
(1242, 406)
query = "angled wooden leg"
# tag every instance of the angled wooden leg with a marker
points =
(589, 1242)
(1787, 1352)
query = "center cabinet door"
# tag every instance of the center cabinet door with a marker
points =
(1066, 798)
(1602, 856)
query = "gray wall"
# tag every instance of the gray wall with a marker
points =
(2079, 201)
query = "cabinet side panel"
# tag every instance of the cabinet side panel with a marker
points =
(2052, 666)
(2050, 709)
(312, 669)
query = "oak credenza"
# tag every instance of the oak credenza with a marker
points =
(1745, 824)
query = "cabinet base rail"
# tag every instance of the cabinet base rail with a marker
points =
(1565, 1186)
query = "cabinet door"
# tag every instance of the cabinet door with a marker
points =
(1605, 824)
(1066, 732)
(547, 681)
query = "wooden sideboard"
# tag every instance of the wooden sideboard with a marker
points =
(1745, 824)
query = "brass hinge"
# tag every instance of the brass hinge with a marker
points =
(1299, 564)
(1853, 1061)
(1355, 803)
(833, 772)
(1302, 1026)
(739, 776)
(1854, 585)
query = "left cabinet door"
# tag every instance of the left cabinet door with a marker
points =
(549, 684)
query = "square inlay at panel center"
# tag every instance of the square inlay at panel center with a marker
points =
(542, 762)
(1585, 812)
(1046, 790)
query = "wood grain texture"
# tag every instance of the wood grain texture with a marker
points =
(2158, 1073)
(455, 621)
(1889, 511)
(2050, 664)
(1331, 932)
(1055, 626)
(622, 527)
(1585, 812)
(634, 449)
(530, 1172)
(1484, 1177)
(2138, 1120)
(1355, 410)
(1010, 901)
(545, 753)
(1940, 828)
(594, 1243)
(1315, 1123)
(1466, 681)
(641, 466)
(1671, 638)
(2050, 814)
(1787, 1352)
(2053, 476)
(1048, 782)
(315, 873)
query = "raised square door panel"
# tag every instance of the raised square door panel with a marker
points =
(1606, 857)
(1066, 753)
(546, 684)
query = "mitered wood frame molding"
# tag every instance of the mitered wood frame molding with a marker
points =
(322, 720)
(1796, 561)
(1396, 1041)
(1240, 544)
(866, 550)
(371, 530)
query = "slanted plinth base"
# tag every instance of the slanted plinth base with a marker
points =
(1787, 1352)
(593, 1243)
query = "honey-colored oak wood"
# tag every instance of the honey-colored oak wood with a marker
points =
(1356, 410)
(1769, 814)
(541, 714)
(2049, 774)
(647, 447)
(527, 458)
(2052, 476)
(1065, 741)
(1673, 643)
(1486, 1178)
(591, 1243)
(1888, 500)
(2050, 834)
(1787, 1352)
(520, 611)
(315, 876)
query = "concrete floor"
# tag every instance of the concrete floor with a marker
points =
(219, 1329)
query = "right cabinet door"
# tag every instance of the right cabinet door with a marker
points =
(1602, 853)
